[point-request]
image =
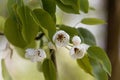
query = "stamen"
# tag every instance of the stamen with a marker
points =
(77, 51)
(60, 37)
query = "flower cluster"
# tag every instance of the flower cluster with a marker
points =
(77, 51)
(61, 39)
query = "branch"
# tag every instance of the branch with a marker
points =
(53, 58)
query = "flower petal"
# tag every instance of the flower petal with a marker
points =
(29, 53)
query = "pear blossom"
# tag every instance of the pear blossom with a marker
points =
(35, 54)
(61, 38)
(76, 40)
(77, 52)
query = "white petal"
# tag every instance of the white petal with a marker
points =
(30, 53)
(34, 59)
(29, 50)
(76, 40)
(85, 46)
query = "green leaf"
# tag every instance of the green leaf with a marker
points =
(70, 30)
(92, 21)
(50, 7)
(28, 25)
(45, 21)
(21, 29)
(2, 22)
(20, 3)
(84, 6)
(5, 72)
(10, 5)
(49, 70)
(86, 36)
(70, 2)
(71, 6)
(99, 73)
(12, 32)
(85, 64)
(20, 52)
(100, 56)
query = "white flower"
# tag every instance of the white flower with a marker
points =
(77, 52)
(61, 38)
(76, 40)
(35, 55)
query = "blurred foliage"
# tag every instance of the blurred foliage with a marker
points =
(5, 72)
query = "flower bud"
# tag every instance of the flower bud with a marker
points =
(76, 40)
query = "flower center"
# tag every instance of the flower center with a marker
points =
(38, 53)
(60, 37)
(77, 51)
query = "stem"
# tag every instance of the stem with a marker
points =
(53, 58)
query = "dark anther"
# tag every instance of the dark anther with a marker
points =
(76, 50)
(60, 37)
